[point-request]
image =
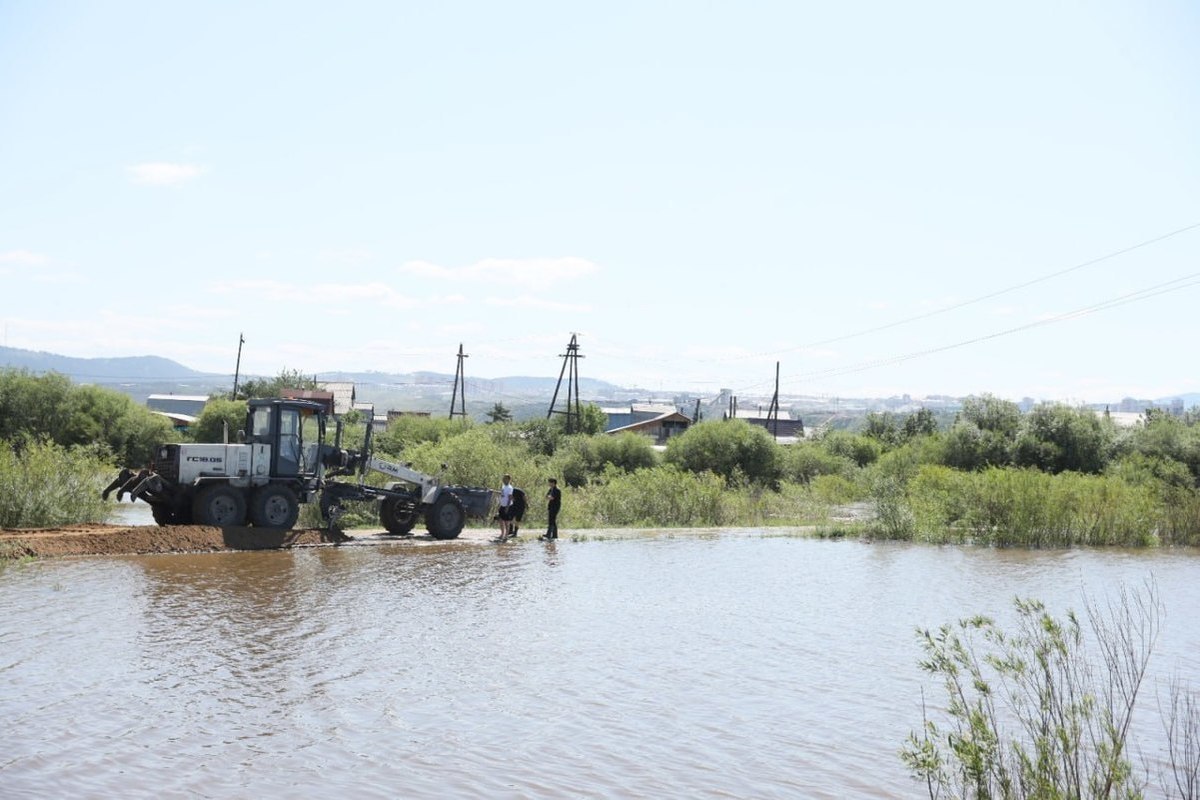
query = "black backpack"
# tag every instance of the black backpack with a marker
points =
(518, 503)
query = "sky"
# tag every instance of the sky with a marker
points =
(871, 198)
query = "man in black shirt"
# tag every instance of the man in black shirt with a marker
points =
(553, 503)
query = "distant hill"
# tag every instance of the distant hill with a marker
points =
(141, 376)
(127, 369)
(518, 385)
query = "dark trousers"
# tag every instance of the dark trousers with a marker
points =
(552, 524)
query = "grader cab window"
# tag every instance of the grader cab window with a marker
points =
(290, 444)
(260, 424)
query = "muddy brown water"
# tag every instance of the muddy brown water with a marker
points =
(711, 664)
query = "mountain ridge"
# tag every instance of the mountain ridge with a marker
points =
(154, 374)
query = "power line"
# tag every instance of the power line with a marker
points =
(988, 296)
(924, 315)
(1173, 285)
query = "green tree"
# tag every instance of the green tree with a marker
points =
(1058, 438)
(968, 447)
(105, 417)
(51, 408)
(540, 436)
(591, 421)
(499, 414)
(273, 387)
(921, 423)
(882, 428)
(219, 415)
(989, 413)
(1164, 436)
(32, 405)
(733, 449)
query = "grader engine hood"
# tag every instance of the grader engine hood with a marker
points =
(234, 461)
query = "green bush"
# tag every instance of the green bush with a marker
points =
(1058, 438)
(1150, 470)
(833, 490)
(408, 431)
(1169, 438)
(219, 418)
(733, 449)
(862, 450)
(807, 460)
(580, 459)
(43, 484)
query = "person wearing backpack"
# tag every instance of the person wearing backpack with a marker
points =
(518, 511)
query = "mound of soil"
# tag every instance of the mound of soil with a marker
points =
(100, 539)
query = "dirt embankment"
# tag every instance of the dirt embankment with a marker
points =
(101, 539)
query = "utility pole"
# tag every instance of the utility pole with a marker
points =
(238, 369)
(773, 411)
(574, 411)
(460, 379)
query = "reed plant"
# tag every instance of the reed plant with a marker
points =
(1006, 506)
(1042, 710)
(660, 496)
(43, 484)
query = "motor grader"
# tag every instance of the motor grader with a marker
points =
(280, 461)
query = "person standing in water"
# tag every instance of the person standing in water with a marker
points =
(553, 504)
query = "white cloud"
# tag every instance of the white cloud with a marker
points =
(23, 258)
(525, 301)
(329, 294)
(163, 173)
(347, 255)
(528, 273)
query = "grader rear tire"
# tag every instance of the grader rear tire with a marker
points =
(446, 517)
(219, 505)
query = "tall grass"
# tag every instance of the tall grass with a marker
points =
(1029, 508)
(665, 496)
(43, 484)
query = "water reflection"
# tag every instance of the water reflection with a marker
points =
(673, 667)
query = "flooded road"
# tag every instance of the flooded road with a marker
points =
(726, 665)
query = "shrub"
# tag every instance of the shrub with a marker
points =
(862, 450)
(407, 431)
(475, 457)
(580, 459)
(733, 449)
(1031, 713)
(219, 416)
(966, 446)
(43, 484)
(1058, 438)
(807, 460)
